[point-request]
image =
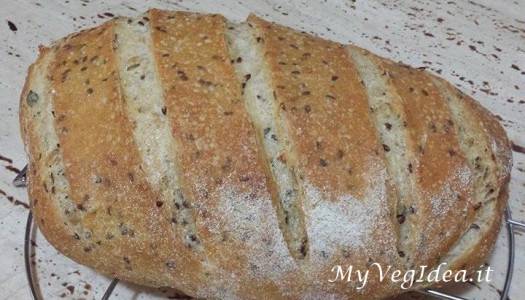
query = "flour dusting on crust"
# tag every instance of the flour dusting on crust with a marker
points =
(345, 222)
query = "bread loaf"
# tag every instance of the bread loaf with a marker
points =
(248, 160)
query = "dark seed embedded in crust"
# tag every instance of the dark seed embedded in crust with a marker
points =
(303, 247)
(32, 98)
(401, 219)
(125, 230)
(401, 214)
(323, 162)
(421, 150)
(170, 265)
(369, 262)
(319, 145)
(132, 67)
(307, 108)
(182, 75)
(65, 75)
(340, 154)
(161, 29)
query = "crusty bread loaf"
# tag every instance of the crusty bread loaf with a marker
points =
(248, 160)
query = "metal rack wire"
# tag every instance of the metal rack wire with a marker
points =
(21, 180)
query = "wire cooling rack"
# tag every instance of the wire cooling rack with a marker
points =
(21, 181)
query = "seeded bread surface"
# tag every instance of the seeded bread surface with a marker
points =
(246, 161)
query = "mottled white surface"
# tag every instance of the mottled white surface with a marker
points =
(478, 45)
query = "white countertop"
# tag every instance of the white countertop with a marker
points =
(479, 45)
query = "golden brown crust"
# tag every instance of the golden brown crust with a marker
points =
(219, 159)
(472, 259)
(103, 168)
(318, 91)
(497, 137)
(443, 177)
(86, 100)
(46, 213)
(42, 207)
(305, 72)
(501, 155)
(117, 226)
(494, 132)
